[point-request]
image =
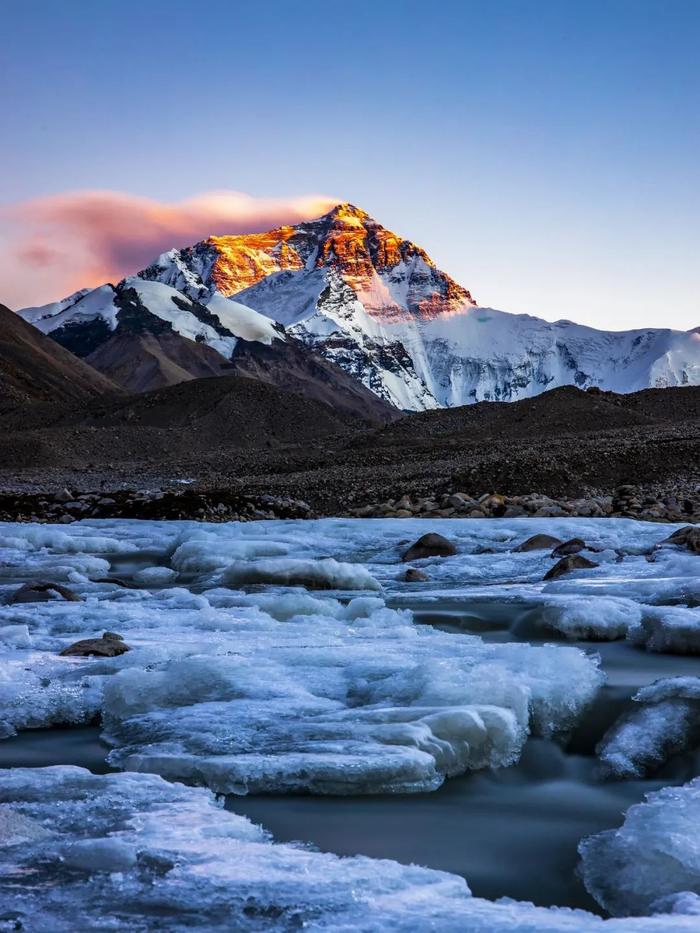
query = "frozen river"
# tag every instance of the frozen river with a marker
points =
(480, 723)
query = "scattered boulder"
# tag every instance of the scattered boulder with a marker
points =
(538, 543)
(109, 646)
(413, 575)
(42, 592)
(567, 564)
(572, 546)
(430, 545)
(688, 537)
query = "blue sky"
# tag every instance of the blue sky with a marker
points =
(545, 154)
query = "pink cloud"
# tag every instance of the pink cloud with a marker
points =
(54, 245)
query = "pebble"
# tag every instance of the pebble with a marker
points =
(627, 501)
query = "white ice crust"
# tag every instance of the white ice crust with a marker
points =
(240, 679)
(128, 852)
(666, 723)
(653, 858)
(332, 693)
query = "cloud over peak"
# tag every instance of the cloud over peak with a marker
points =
(53, 245)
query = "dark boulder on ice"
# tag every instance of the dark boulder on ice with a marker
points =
(688, 537)
(538, 543)
(109, 646)
(430, 545)
(43, 592)
(567, 564)
(413, 575)
(572, 546)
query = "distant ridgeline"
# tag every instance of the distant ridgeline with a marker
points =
(365, 300)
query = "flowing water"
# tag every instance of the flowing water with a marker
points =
(510, 831)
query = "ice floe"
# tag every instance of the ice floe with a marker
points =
(128, 852)
(329, 693)
(666, 722)
(240, 678)
(652, 862)
(323, 574)
(332, 694)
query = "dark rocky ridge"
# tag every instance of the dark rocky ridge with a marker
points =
(244, 437)
(190, 420)
(293, 367)
(139, 362)
(35, 368)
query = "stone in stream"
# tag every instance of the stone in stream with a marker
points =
(572, 546)
(688, 537)
(430, 545)
(413, 575)
(538, 543)
(116, 581)
(43, 592)
(109, 646)
(567, 564)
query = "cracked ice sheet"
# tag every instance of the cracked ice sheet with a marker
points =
(131, 852)
(276, 689)
(336, 697)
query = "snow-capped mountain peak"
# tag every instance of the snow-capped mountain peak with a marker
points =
(376, 305)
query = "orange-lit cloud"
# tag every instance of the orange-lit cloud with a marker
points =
(54, 245)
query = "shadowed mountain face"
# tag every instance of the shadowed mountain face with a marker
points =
(189, 421)
(141, 362)
(145, 335)
(35, 368)
(294, 367)
(374, 305)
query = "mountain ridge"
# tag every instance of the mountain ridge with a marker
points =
(35, 368)
(376, 306)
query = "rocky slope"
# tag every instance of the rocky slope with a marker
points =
(375, 305)
(194, 419)
(146, 335)
(35, 368)
(566, 444)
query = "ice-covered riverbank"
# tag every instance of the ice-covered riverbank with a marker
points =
(293, 656)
